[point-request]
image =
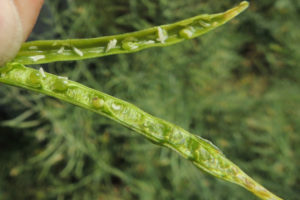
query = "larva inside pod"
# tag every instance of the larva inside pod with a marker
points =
(116, 106)
(37, 58)
(187, 32)
(78, 51)
(116, 109)
(162, 35)
(130, 43)
(204, 23)
(112, 44)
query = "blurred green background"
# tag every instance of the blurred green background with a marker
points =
(238, 86)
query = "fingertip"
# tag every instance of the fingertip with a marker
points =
(11, 33)
(28, 12)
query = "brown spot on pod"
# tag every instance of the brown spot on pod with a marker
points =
(98, 102)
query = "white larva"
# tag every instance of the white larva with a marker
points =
(162, 36)
(215, 24)
(78, 52)
(115, 106)
(33, 47)
(111, 44)
(61, 50)
(37, 58)
(63, 77)
(97, 50)
(42, 72)
(150, 42)
(54, 43)
(204, 24)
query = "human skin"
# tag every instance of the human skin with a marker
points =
(17, 18)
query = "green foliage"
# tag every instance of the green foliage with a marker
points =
(238, 87)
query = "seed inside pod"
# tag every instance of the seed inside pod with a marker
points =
(60, 84)
(98, 102)
(34, 79)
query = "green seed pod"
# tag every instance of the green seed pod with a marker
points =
(202, 153)
(37, 52)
